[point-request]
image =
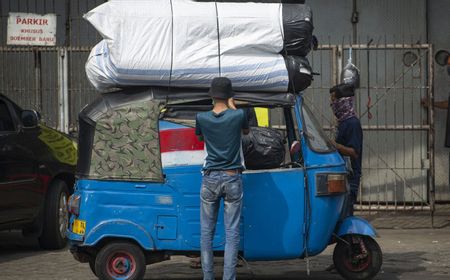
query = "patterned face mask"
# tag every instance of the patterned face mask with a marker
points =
(343, 108)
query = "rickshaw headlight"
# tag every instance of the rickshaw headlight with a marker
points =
(74, 204)
(331, 184)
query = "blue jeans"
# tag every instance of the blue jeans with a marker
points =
(215, 186)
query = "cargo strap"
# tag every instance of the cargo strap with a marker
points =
(218, 38)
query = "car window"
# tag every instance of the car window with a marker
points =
(6, 122)
(314, 133)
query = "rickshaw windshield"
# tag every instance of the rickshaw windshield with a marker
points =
(315, 135)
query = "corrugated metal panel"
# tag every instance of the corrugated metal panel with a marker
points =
(398, 20)
(332, 20)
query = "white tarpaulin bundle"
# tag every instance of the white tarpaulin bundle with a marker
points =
(183, 43)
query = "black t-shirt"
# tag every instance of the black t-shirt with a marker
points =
(350, 134)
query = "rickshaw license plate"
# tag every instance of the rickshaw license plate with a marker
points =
(79, 227)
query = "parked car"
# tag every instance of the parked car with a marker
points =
(37, 167)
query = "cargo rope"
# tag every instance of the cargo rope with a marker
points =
(171, 49)
(218, 37)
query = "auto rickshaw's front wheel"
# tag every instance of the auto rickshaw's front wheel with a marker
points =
(357, 257)
(120, 260)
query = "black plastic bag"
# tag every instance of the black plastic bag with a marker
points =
(300, 73)
(298, 28)
(263, 148)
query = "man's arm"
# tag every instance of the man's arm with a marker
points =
(346, 151)
(231, 103)
(352, 138)
(198, 130)
(245, 126)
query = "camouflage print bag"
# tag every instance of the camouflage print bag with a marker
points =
(126, 144)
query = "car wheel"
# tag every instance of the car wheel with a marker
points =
(357, 258)
(120, 260)
(56, 216)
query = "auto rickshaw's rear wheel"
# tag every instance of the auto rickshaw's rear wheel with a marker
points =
(120, 260)
(357, 257)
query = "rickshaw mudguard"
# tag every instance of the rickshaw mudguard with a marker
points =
(355, 225)
(118, 228)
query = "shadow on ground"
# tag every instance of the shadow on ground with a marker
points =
(395, 265)
(18, 251)
(14, 246)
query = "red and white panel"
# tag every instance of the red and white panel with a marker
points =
(181, 147)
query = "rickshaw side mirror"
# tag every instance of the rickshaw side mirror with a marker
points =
(295, 147)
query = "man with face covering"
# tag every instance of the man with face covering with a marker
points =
(349, 137)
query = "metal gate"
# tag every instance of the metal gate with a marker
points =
(50, 80)
(398, 150)
(29, 75)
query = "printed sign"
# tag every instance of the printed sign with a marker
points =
(31, 29)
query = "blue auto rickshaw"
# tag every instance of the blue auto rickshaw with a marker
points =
(136, 199)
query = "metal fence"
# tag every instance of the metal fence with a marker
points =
(50, 79)
(398, 150)
(398, 164)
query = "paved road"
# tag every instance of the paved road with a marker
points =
(408, 254)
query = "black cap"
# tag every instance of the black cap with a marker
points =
(221, 88)
(343, 90)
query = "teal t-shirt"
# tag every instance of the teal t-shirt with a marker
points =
(222, 134)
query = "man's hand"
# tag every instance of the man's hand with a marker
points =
(333, 143)
(231, 103)
(344, 150)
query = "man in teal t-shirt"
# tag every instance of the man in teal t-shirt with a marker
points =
(221, 129)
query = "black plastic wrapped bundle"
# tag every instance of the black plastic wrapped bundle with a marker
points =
(300, 73)
(263, 148)
(298, 28)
